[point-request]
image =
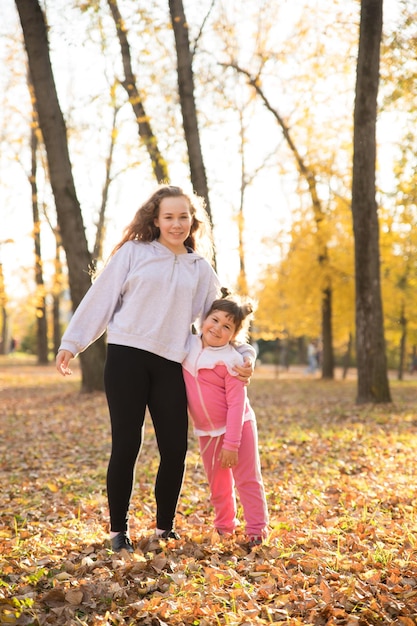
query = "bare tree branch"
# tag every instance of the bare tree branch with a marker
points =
(146, 134)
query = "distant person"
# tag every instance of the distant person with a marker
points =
(154, 287)
(312, 357)
(224, 419)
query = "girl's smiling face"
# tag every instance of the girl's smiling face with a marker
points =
(174, 222)
(218, 329)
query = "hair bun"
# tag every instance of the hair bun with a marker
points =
(225, 292)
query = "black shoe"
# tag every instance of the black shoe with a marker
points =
(122, 542)
(169, 534)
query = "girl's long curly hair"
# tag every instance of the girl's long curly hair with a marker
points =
(142, 227)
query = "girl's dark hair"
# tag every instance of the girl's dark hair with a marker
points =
(240, 310)
(142, 227)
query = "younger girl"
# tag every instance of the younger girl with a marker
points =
(224, 420)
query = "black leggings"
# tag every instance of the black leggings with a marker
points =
(135, 379)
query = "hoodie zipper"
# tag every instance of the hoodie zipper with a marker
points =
(203, 406)
(173, 265)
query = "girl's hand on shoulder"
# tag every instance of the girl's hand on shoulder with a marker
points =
(62, 361)
(245, 371)
(228, 458)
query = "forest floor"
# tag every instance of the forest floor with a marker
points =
(341, 487)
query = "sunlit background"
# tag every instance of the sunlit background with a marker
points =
(308, 73)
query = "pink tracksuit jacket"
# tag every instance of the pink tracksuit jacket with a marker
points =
(223, 418)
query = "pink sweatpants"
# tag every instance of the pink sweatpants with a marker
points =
(246, 477)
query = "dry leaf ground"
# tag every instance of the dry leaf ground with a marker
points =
(341, 485)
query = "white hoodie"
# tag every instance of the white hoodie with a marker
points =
(146, 297)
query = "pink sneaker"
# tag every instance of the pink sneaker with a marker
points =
(254, 540)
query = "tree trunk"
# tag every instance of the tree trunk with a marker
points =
(187, 100)
(347, 357)
(370, 342)
(56, 295)
(159, 165)
(101, 221)
(4, 338)
(69, 216)
(327, 364)
(242, 283)
(41, 320)
(403, 343)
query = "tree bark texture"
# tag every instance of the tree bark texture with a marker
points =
(187, 101)
(69, 215)
(370, 342)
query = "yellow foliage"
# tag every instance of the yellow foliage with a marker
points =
(290, 297)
